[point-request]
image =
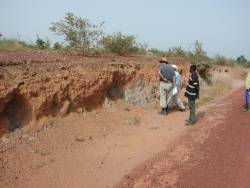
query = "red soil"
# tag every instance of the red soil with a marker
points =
(77, 131)
(204, 158)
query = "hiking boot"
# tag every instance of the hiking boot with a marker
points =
(163, 111)
(182, 110)
(247, 108)
(189, 123)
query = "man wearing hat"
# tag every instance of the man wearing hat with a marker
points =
(167, 83)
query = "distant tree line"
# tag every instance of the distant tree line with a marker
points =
(81, 36)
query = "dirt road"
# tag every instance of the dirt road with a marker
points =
(226, 161)
(219, 158)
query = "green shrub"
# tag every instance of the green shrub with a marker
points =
(222, 60)
(57, 46)
(176, 51)
(157, 52)
(42, 44)
(142, 49)
(120, 44)
(204, 70)
(231, 62)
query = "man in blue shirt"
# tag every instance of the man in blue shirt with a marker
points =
(167, 83)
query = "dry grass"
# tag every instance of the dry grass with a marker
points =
(12, 44)
(244, 74)
(217, 89)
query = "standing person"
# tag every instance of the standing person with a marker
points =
(247, 93)
(176, 97)
(167, 83)
(192, 93)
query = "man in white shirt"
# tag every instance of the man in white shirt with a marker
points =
(176, 98)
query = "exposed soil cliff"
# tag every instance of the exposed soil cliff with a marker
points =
(38, 84)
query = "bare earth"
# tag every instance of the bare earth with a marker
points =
(94, 123)
(218, 160)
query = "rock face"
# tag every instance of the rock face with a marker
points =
(31, 88)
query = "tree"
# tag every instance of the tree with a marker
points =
(203, 62)
(199, 53)
(78, 32)
(241, 59)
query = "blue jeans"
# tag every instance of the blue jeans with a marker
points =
(247, 98)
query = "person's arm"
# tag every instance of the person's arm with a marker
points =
(162, 77)
(196, 84)
(174, 81)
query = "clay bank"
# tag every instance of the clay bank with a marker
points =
(39, 84)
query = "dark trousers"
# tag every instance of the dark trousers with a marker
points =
(191, 104)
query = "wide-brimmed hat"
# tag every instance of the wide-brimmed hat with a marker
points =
(175, 67)
(163, 60)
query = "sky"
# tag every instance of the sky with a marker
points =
(221, 25)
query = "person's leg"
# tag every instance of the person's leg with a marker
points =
(191, 119)
(247, 101)
(179, 102)
(169, 87)
(189, 106)
(163, 98)
(192, 111)
(172, 102)
(188, 120)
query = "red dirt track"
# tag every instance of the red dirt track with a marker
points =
(227, 153)
(220, 160)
